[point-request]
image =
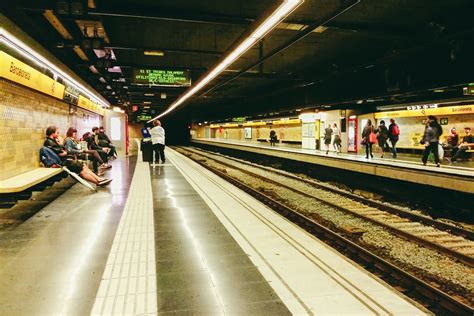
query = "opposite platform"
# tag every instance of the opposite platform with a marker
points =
(452, 178)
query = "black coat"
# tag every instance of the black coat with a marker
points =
(54, 145)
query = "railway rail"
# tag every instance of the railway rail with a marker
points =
(445, 238)
(438, 236)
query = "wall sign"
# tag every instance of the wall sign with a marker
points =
(19, 72)
(443, 121)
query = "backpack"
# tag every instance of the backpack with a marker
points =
(48, 157)
(395, 130)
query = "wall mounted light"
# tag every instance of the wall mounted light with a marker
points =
(29, 53)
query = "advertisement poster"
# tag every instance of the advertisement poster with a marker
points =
(248, 133)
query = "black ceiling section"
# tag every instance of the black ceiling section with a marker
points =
(375, 52)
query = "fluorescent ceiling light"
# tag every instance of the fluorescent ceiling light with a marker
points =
(266, 26)
(149, 94)
(27, 52)
(154, 53)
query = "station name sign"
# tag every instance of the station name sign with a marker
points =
(161, 77)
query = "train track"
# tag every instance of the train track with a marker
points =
(431, 296)
(447, 239)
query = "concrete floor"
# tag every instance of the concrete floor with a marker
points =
(53, 262)
(200, 268)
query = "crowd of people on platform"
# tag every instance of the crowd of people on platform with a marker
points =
(431, 140)
(68, 152)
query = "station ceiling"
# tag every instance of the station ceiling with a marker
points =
(327, 53)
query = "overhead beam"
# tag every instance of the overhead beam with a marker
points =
(207, 18)
(167, 50)
(167, 15)
(210, 18)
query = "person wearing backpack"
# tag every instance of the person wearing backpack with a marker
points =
(393, 135)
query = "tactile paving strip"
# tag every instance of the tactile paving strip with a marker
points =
(128, 285)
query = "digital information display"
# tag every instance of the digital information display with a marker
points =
(159, 77)
(143, 118)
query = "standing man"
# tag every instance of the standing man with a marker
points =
(158, 141)
(393, 135)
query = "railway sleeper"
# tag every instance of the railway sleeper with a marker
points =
(457, 245)
(355, 232)
(453, 239)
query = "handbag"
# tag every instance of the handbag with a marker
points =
(372, 138)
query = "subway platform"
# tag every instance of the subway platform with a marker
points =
(451, 177)
(176, 239)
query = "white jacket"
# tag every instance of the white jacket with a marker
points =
(157, 135)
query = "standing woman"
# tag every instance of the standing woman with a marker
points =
(336, 143)
(158, 141)
(327, 137)
(366, 139)
(382, 136)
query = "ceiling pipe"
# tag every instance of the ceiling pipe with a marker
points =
(345, 6)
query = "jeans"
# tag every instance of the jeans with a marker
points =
(432, 147)
(368, 149)
(394, 149)
(159, 150)
(460, 151)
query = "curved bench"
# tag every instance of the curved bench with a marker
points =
(28, 179)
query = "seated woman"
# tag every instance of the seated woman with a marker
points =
(73, 148)
(52, 134)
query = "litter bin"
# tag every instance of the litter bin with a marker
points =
(147, 150)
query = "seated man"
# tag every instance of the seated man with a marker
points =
(52, 134)
(104, 141)
(92, 144)
(467, 143)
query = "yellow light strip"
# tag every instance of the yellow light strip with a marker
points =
(29, 53)
(273, 20)
(53, 20)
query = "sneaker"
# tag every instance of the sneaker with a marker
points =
(105, 166)
(104, 182)
(424, 164)
(100, 173)
(438, 165)
(163, 161)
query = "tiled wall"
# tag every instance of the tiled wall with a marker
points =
(24, 116)
(284, 132)
(412, 128)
